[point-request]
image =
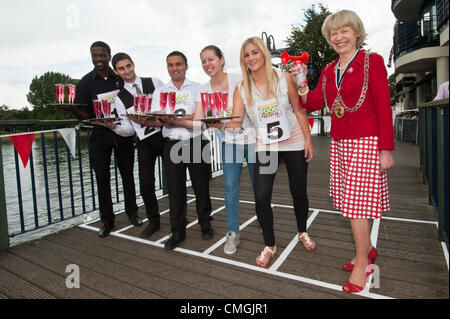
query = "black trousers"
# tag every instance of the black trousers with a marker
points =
(179, 156)
(148, 151)
(297, 169)
(103, 141)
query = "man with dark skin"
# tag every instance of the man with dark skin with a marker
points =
(103, 83)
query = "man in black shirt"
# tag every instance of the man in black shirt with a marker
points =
(102, 83)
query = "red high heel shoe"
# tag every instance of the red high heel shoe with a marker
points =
(352, 288)
(373, 254)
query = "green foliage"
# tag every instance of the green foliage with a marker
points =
(42, 93)
(392, 84)
(309, 38)
(7, 114)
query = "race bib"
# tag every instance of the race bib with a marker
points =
(182, 106)
(143, 131)
(110, 97)
(273, 126)
(227, 112)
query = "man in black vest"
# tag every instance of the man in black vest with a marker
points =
(150, 140)
(102, 83)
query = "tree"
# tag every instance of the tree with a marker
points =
(4, 112)
(42, 93)
(309, 38)
(392, 84)
(7, 114)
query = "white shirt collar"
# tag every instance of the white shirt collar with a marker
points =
(186, 83)
(131, 89)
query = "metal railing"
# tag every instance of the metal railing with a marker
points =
(434, 161)
(408, 38)
(56, 187)
(441, 14)
(407, 130)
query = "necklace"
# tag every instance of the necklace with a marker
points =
(349, 61)
(340, 72)
(339, 107)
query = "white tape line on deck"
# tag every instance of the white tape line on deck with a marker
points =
(243, 265)
(274, 269)
(287, 251)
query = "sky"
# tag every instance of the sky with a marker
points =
(55, 35)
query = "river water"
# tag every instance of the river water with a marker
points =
(38, 210)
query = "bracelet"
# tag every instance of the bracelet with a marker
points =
(306, 92)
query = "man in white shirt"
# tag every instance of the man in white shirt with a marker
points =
(183, 149)
(150, 143)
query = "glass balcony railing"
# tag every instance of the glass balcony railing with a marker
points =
(414, 35)
(441, 14)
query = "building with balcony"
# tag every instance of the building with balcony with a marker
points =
(420, 50)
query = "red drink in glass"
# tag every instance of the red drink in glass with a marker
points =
(71, 93)
(106, 107)
(224, 101)
(60, 93)
(163, 101)
(142, 104)
(212, 103)
(172, 101)
(218, 99)
(148, 104)
(97, 109)
(135, 103)
(205, 102)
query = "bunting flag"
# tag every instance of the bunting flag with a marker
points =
(311, 122)
(22, 144)
(70, 138)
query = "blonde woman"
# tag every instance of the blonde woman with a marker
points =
(356, 90)
(270, 99)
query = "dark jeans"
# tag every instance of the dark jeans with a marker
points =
(297, 169)
(102, 143)
(148, 151)
(179, 155)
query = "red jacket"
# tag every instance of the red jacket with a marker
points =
(374, 117)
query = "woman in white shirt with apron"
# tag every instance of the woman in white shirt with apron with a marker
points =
(270, 99)
(234, 146)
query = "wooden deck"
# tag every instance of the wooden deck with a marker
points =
(411, 261)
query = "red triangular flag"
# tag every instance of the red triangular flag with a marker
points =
(22, 144)
(311, 122)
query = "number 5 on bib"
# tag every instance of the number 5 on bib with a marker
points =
(273, 126)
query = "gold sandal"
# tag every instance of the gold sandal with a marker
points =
(264, 259)
(307, 242)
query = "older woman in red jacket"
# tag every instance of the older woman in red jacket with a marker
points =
(355, 89)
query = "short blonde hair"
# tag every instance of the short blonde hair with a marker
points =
(344, 18)
(271, 76)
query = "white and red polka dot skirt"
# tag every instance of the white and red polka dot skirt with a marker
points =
(357, 186)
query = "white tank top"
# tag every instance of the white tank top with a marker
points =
(280, 130)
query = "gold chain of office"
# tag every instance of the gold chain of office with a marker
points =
(339, 108)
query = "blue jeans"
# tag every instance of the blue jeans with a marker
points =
(232, 158)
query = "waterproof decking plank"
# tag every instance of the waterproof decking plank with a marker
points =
(411, 261)
(106, 286)
(15, 287)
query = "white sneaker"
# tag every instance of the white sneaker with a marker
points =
(231, 243)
